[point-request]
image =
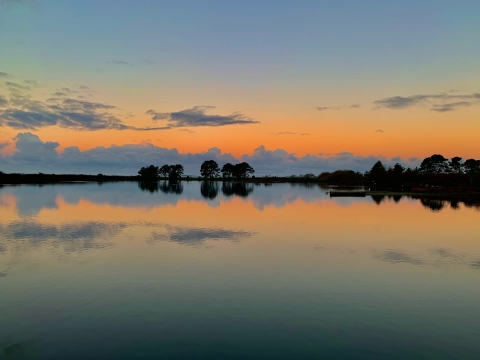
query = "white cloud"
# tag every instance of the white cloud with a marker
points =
(34, 155)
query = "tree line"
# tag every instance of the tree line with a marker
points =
(209, 170)
(435, 170)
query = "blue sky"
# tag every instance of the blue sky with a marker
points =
(275, 62)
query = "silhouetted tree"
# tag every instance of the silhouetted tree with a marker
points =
(149, 172)
(341, 177)
(398, 169)
(209, 189)
(471, 166)
(378, 167)
(435, 164)
(227, 170)
(176, 171)
(242, 170)
(164, 170)
(456, 165)
(209, 169)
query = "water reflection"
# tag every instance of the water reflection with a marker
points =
(126, 260)
(31, 199)
(436, 257)
(197, 235)
(209, 189)
(70, 237)
(237, 189)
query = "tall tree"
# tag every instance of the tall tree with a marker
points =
(471, 166)
(149, 172)
(378, 167)
(435, 164)
(164, 170)
(456, 165)
(227, 170)
(209, 169)
(176, 171)
(242, 170)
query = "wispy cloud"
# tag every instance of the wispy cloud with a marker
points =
(3, 101)
(197, 116)
(31, 82)
(450, 106)
(324, 108)
(379, 131)
(291, 133)
(122, 63)
(441, 102)
(5, 75)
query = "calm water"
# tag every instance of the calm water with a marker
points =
(212, 271)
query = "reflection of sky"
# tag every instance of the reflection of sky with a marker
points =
(286, 261)
(31, 199)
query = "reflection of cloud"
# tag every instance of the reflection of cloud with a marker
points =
(397, 256)
(475, 264)
(3, 273)
(71, 237)
(196, 235)
(436, 257)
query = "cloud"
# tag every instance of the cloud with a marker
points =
(379, 131)
(197, 116)
(438, 102)
(3, 101)
(16, 88)
(34, 155)
(450, 106)
(21, 112)
(325, 108)
(31, 82)
(4, 75)
(122, 63)
(84, 87)
(291, 133)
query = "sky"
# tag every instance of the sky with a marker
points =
(290, 86)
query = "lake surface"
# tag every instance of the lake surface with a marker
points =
(235, 271)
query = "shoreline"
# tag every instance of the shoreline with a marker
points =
(47, 179)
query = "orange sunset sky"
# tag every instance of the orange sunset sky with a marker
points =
(312, 78)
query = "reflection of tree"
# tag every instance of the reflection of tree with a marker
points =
(397, 198)
(378, 199)
(238, 189)
(209, 189)
(454, 204)
(148, 186)
(171, 187)
(433, 204)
